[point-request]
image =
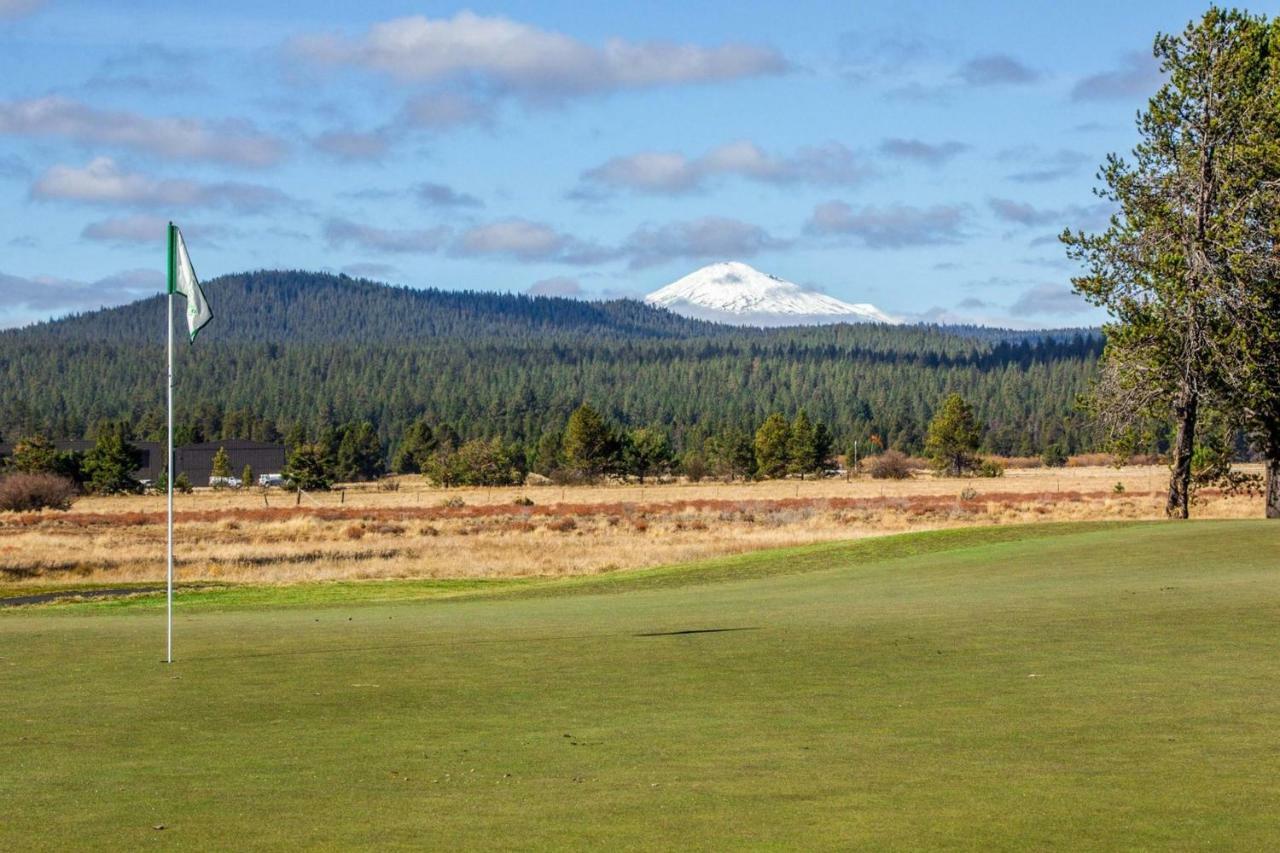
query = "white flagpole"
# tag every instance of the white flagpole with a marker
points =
(169, 473)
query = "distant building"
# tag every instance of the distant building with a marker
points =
(194, 460)
(150, 453)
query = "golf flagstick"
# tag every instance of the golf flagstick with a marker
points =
(183, 282)
(168, 465)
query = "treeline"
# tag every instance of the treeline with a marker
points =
(588, 449)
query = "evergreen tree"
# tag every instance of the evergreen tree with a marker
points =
(109, 466)
(730, 455)
(953, 438)
(359, 453)
(802, 446)
(295, 437)
(416, 448)
(772, 444)
(590, 444)
(647, 453)
(221, 464)
(1191, 221)
(309, 468)
(33, 455)
(246, 476)
(824, 447)
(548, 456)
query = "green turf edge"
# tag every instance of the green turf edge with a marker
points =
(773, 561)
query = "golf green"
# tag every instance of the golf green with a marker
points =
(1057, 686)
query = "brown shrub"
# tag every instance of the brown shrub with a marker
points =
(31, 492)
(386, 528)
(562, 525)
(1090, 460)
(355, 531)
(890, 465)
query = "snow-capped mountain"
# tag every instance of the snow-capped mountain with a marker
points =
(734, 292)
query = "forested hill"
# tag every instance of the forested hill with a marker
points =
(307, 350)
(285, 306)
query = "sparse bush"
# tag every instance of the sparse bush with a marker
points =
(31, 492)
(968, 493)
(1118, 488)
(990, 468)
(453, 503)
(562, 525)
(1054, 456)
(523, 501)
(695, 466)
(890, 465)
(388, 485)
(182, 483)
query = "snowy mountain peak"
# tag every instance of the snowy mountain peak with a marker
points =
(734, 292)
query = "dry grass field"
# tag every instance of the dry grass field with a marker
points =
(417, 531)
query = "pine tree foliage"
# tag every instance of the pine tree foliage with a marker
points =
(309, 353)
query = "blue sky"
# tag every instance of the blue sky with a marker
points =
(920, 156)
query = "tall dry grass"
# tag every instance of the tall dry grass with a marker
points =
(411, 533)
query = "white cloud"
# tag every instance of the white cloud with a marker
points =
(708, 237)
(517, 238)
(233, 142)
(442, 195)
(498, 53)
(996, 69)
(1073, 216)
(145, 230)
(1137, 76)
(667, 172)
(353, 145)
(444, 110)
(102, 181)
(343, 232)
(1049, 299)
(931, 154)
(891, 227)
(26, 299)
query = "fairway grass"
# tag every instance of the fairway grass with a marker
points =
(1058, 686)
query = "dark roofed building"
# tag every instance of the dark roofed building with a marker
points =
(150, 455)
(196, 460)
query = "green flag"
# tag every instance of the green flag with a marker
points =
(182, 280)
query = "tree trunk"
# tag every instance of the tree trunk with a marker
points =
(1273, 485)
(1179, 504)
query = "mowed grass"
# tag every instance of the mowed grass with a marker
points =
(1056, 687)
